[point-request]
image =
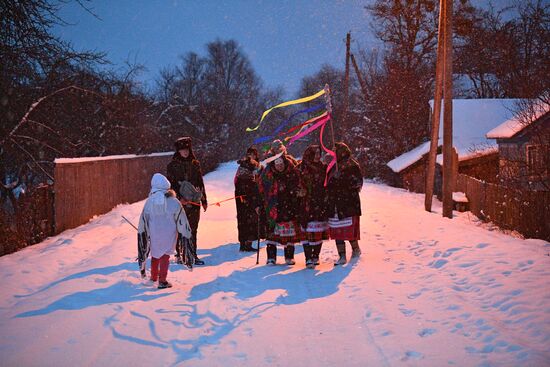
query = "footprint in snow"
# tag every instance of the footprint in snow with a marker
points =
(438, 264)
(411, 354)
(451, 251)
(426, 332)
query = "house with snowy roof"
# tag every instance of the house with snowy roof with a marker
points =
(524, 148)
(477, 154)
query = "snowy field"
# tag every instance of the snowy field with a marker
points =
(428, 291)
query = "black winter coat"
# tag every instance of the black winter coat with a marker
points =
(185, 169)
(246, 184)
(343, 189)
(315, 204)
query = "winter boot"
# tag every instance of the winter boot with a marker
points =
(248, 247)
(289, 255)
(198, 261)
(356, 250)
(308, 253)
(315, 253)
(271, 251)
(164, 284)
(341, 247)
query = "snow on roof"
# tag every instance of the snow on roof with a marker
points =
(518, 122)
(108, 157)
(405, 160)
(472, 118)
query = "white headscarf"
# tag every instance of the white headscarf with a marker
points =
(159, 186)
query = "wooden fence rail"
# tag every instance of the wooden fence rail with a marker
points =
(527, 212)
(85, 187)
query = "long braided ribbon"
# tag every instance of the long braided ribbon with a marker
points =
(217, 203)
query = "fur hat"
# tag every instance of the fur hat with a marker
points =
(309, 153)
(277, 147)
(252, 150)
(183, 143)
(342, 151)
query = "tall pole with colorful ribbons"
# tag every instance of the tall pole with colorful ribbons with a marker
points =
(329, 109)
(306, 127)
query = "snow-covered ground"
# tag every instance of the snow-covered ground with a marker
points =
(428, 291)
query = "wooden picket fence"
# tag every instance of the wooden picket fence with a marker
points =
(88, 187)
(527, 212)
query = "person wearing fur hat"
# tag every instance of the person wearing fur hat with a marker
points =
(314, 213)
(344, 184)
(277, 147)
(248, 199)
(162, 220)
(280, 187)
(185, 176)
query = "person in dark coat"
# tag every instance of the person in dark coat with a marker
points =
(344, 184)
(314, 213)
(185, 176)
(280, 188)
(247, 200)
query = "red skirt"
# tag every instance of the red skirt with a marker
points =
(341, 230)
(285, 233)
(315, 232)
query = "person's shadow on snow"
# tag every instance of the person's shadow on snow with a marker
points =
(300, 286)
(226, 253)
(119, 292)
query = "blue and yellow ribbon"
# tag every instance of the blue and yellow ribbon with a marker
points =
(287, 103)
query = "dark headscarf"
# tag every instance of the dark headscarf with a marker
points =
(343, 152)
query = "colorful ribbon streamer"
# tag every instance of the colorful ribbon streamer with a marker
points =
(320, 123)
(315, 126)
(263, 139)
(288, 103)
(300, 126)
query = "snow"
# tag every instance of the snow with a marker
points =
(460, 197)
(427, 291)
(472, 119)
(407, 159)
(109, 157)
(517, 123)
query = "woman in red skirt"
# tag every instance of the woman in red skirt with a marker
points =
(344, 184)
(314, 214)
(281, 189)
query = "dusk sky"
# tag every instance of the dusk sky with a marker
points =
(285, 40)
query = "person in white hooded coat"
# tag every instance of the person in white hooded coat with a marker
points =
(161, 221)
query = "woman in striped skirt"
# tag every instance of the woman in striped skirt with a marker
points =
(344, 184)
(281, 189)
(314, 214)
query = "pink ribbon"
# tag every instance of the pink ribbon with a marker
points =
(319, 123)
(328, 151)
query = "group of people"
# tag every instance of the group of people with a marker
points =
(285, 202)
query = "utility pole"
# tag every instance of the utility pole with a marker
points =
(346, 82)
(360, 78)
(436, 116)
(448, 113)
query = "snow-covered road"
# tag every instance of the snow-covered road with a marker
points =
(428, 291)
